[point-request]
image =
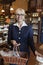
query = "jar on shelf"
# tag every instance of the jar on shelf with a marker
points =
(1, 40)
(39, 60)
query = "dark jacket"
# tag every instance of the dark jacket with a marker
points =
(24, 36)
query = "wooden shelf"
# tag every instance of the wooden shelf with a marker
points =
(35, 26)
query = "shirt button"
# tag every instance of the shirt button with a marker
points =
(19, 38)
(19, 32)
(19, 28)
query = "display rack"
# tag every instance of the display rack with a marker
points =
(3, 33)
(2, 19)
(41, 32)
(35, 26)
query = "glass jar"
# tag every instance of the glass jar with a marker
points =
(1, 40)
(39, 60)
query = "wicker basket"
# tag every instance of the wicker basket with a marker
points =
(15, 60)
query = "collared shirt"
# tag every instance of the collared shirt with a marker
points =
(24, 36)
(24, 24)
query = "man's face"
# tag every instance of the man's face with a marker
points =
(20, 16)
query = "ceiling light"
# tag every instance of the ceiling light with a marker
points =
(11, 8)
(2, 10)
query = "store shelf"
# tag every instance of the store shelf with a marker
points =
(35, 26)
(3, 33)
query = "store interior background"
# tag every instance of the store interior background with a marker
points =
(34, 17)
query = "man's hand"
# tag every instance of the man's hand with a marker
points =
(15, 43)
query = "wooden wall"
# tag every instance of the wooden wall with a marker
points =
(0, 8)
(20, 4)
